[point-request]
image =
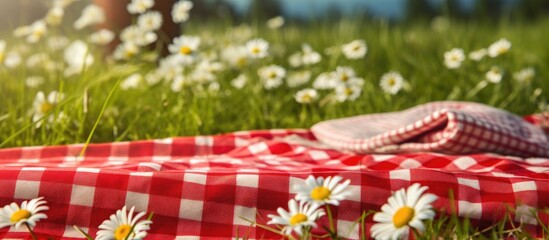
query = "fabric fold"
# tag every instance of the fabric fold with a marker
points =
(445, 127)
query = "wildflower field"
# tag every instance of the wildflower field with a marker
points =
(60, 85)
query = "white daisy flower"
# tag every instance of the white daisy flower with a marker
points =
(42, 105)
(236, 56)
(343, 75)
(323, 191)
(91, 15)
(77, 57)
(306, 96)
(185, 47)
(119, 225)
(295, 60)
(347, 92)
(2, 51)
(257, 48)
(139, 36)
(179, 82)
(454, 58)
(498, 48)
(63, 3)
(404, 209)
(126, 51)
(150, 21)
(525, 75)
(355, 50)
(325, 81)
(28, 213)
(271, 76)
(37, 30)
(139, 6)
(297, 79)
(11, 60)
(494, 75)
(275, 22)
(391, 82)
(54, 17)
(180, 11)
(153, 77)
(299, 217)
(309, 56)
(478, 54)
(239, 82)
(133, 81)
(170, 67)
(102, 37)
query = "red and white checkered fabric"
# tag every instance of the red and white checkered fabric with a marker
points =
(444, 127)
(200, 187)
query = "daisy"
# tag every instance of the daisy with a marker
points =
(236, 56)
(355, 49)
(299, 217)
(295, 60)
(102, 37)
(271, 76)
(54, 16)
(498, 48)
(170, 68)
(275, 22)
(297, 79)
(404, 209)
(478, 54)
(34, 81)
(57, 42)
(525, 75)
(63, 3)
(239, 82)
(185, 47)
(257, 48)
(343, 74)
(309, 56)
(180, 11)
(133, 81)
(454, 58)
(494, 75)
(347, 92)
(325, 81)
(391, 82)
(28, 214)
(119, 225)
(139, 36)
(150, 21)
(179, 82)
(91, 15)
(77, 58)
(139, 6)
(125, 51)
(305, 96)
(43, 105)
(323, 191)
(2, 51)
(36, 31)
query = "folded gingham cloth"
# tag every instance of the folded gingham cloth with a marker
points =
(445, 127)
(202, 187)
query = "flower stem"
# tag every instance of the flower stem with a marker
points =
(31, 232)
(330, 218)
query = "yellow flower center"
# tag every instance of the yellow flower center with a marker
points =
(298, 218)
(46, 107)
(256, 50)
(272, 75)
(320, 193)
(344, 77)
(348, 91)
(129, 53)
(403, 216)
(21, 214)
(122, 232)
(502, 50)
(241, 62)
(2, 56)
(186, 50)
(391, 82)
(306, 99)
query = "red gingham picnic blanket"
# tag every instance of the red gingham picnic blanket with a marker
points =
(200, 187)
(446, 127)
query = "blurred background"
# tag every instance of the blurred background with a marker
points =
(15, 13)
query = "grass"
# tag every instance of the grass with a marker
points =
(155, 111)
(98, 110)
